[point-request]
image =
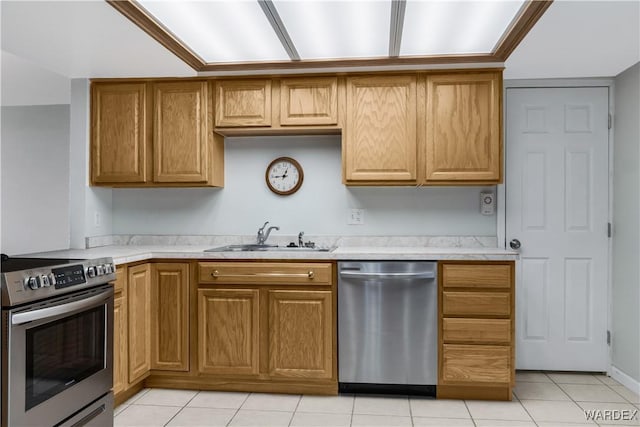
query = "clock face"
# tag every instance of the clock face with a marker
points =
(284, 176)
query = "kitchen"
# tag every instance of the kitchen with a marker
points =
(133, 224)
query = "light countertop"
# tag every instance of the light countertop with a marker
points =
(133, 253)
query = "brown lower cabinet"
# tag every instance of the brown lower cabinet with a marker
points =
(271, 327)
(151, 323)
(476, 330)
(267, 326)
(252, 326)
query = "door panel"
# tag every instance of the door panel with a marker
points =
(228, 334)
(180, 132)
(170, 317)
(557, 206)
(139, 316)
(300, 334)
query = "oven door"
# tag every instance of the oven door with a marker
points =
(60, 356)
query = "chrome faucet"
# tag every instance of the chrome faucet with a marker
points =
(262, 236)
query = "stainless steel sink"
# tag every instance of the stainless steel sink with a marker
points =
(266, 248)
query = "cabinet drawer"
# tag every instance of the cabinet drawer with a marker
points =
(476, 363)
(263, 273)
(476, 276)
(476, 304)
(477, 331)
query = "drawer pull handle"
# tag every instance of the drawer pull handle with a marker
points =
(310, 275)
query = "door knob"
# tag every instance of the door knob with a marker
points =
(515, 244)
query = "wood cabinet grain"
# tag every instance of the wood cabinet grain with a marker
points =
(309, 101)
(277, 273)
(119, 133)
(243, 103)
(180, 148)
(476, 364)
(120, 344)
(228, 331)
(463, 128)
(300, 334)
(139, 321)
(476, 301)
(379, 138)
(170, 316)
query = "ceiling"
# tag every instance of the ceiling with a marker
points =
(86, 39)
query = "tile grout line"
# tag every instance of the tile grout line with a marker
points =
(410, 411)
(473, 421)
(353, 408)
(293, 414)
(183, 407)
(238, 410)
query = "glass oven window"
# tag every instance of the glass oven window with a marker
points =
(63, 353)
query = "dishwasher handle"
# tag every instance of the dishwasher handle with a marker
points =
(414, 275)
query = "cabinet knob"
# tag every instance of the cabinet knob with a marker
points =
(311, 274)
(215, 273)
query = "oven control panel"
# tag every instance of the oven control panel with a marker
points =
(68, 276)
(38, 283)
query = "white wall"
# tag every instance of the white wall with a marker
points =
(626, 223)
(35, 171)
(90, 206)
(25, 83)
(319, 207)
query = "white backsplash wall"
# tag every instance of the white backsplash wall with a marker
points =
(35, 178)
(319, 207)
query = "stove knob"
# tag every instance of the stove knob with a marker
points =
(91, 271)
(108, 268)
(100, 270)
(33, 282)
(52, 279)
(44, 281)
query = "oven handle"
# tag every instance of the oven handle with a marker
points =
(68, 308)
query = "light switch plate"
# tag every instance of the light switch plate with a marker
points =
(355, 217)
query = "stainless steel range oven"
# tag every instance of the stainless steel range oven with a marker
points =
(57, 355)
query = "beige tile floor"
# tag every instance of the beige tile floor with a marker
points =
(540, 399)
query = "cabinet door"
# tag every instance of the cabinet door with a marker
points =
(300, 334)
(118, 133)
(379, 142)
(228, 331)
(180, 132)
(120, 333)
(170, 317)
(463, 140)
(309, 101)
(241, 103)
(138, 301)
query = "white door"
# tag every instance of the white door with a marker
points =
(557, 207)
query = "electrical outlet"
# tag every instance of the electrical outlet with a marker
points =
(355, 217)
(96, 219)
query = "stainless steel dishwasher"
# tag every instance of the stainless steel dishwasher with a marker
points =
(388, 327)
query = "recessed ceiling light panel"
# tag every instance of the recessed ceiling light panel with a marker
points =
(220, 31)
(442, 27)
(337, 29)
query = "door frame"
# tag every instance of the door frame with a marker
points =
(501, 217)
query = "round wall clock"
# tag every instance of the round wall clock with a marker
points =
(284, 176)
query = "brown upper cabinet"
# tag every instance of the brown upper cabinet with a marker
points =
(180, 132)
(242, 103)
(154, 134)
(309, 101)
(463, 122)
(379, 142)
(119, 133)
